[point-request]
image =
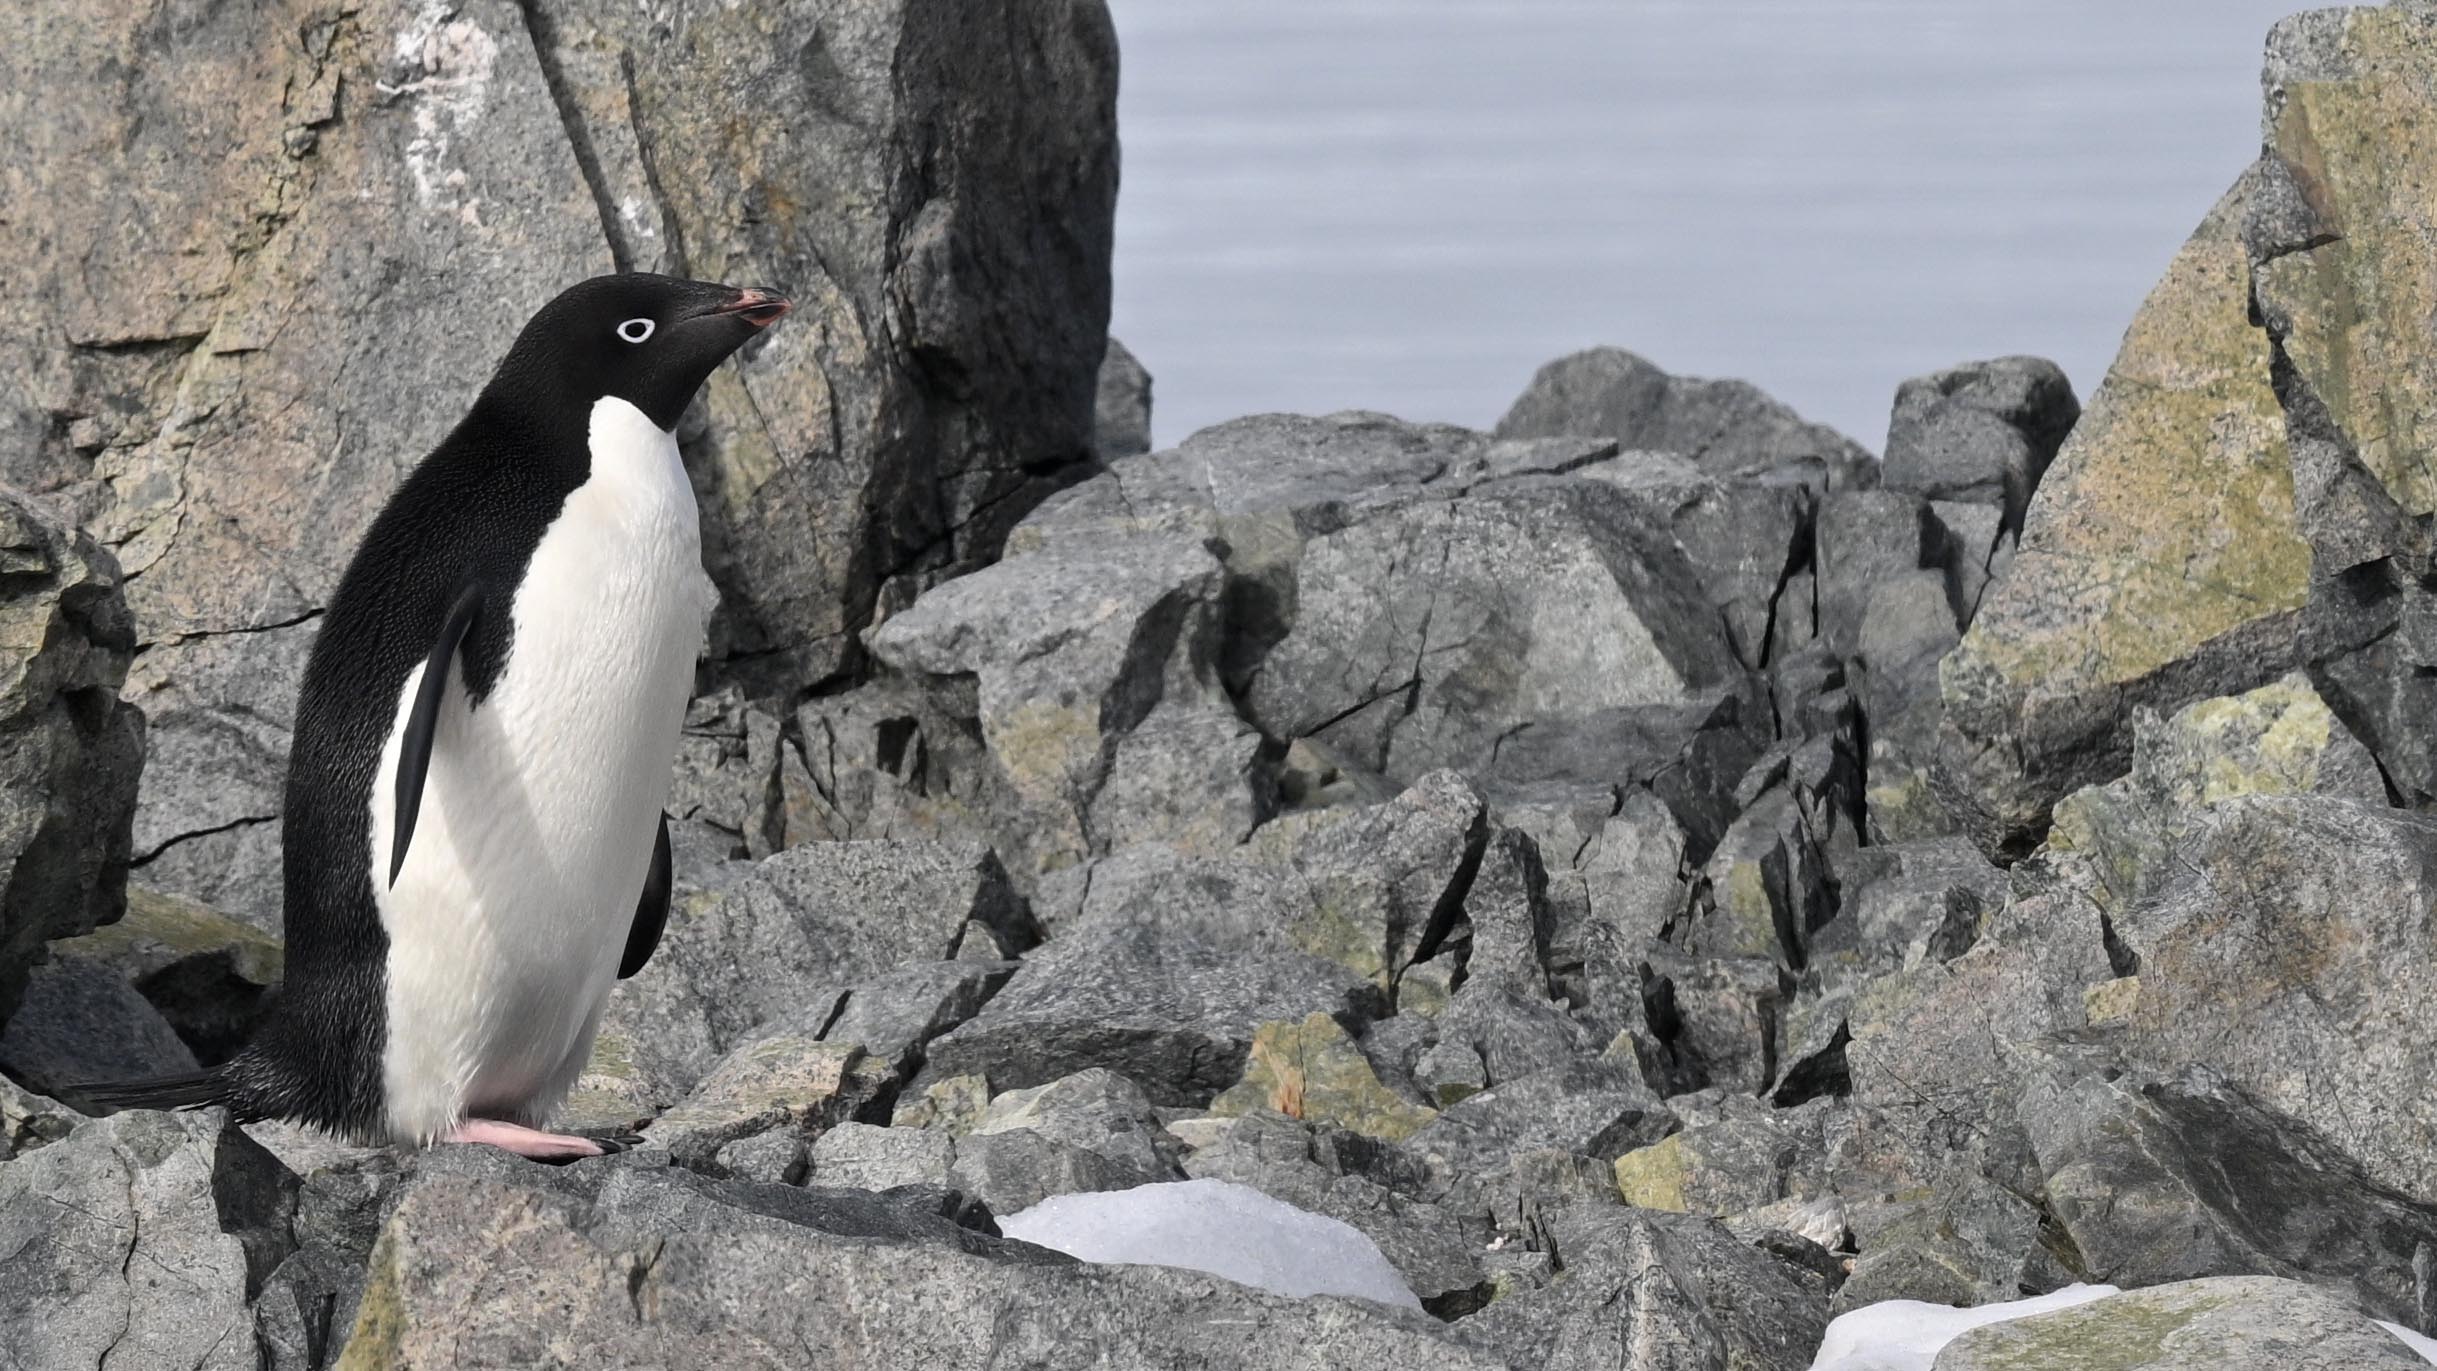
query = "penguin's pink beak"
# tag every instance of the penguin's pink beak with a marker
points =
(758, 307)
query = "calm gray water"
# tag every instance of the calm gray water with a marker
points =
(1408, 205)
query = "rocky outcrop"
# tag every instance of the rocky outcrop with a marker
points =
(69, 750)
(351, 212)
(1724, 426)
(2238, 1324)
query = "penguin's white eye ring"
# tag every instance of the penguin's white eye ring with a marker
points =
(635, 330)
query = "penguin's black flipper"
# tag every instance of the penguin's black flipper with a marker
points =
(415, 752)
(651, 912)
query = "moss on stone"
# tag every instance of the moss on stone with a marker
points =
(1311, 1070)
(1654, 1177)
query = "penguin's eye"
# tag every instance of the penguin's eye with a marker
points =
(635, 330)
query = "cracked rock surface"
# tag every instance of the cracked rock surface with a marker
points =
(1663, 876)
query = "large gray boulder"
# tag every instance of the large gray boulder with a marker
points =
(1724, 426)
(659, 1271)
(141, 1240)
(69, 750)
(1982, 432)
(344, 216)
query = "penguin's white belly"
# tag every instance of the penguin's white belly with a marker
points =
(542, 805)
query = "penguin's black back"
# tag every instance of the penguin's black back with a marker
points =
(470, 514)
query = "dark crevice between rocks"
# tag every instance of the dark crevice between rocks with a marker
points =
(1448, 913)
(680, 261)
(543, 31)
(2121, 959)
(1823, 1073)
(1801, 556)
(146, 859)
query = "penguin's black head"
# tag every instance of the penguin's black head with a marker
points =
(648, 340)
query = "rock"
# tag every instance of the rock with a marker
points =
(1752, 1158)
(727, 772)
(1716, 1018)
(1379, 880)
(81, 1024)
(208, 974)
(1689, 756)
(1422, 636)
(1961, 1239)
(68, 771)
(325, 158)
(951, 1104)
(779, 1157)
(1747, 537)
(1614, 885)
(654, 1275)
(1645, 1289)
(2284, 950)
(1768, 885)
(142, 1237)
(1982, 432)
(1095, 694)
(2234, 1323)
(1587, 1108)
(1014, 1170)
(895, 1014)
(778, 1082)
(2165, 1178)
(1121, 407)
(863, 1156)
(823, 915)
(1726, 427)
(1906, 905)
(1312, 1070)
(1293, 1161)
(1096, 1110)
(2160, 560)
(28, 1120)
(1175, 1015)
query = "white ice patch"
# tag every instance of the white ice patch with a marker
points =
(1218, 1227)
(447, 64)
(1905, 1335)
(2421, 1343)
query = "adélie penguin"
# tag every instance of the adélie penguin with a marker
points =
(476, 847)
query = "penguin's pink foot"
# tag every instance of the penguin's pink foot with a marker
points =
(530, 1142)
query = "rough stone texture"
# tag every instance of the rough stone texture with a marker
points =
(864, 1156)
(69, 751)
(82, 1024)
(1423, 635)
(1750, 1158)
(2159, 1179)
(775, 1082)
(1724, 426)
(1656, 1290)
(28, 1120)
(2286, 951)
(1588, 1108)
(141, 1240)
(207, 974)
(650, 1276)
(2234, 1323)
(822, 915)
(1121, 406)
(1982, 432)
(1175, 1015)
(2160, 560)
(1312, 1070)
(359, 209)
(1091, 668)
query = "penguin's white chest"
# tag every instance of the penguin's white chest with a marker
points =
(542, 804)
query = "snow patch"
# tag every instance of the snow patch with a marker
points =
(1220, 1228)
(2421, 1343)
(1905, 1335)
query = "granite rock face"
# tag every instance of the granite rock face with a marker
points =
(69, 749)
(354, 211)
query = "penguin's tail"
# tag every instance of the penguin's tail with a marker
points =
(187, 1090)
